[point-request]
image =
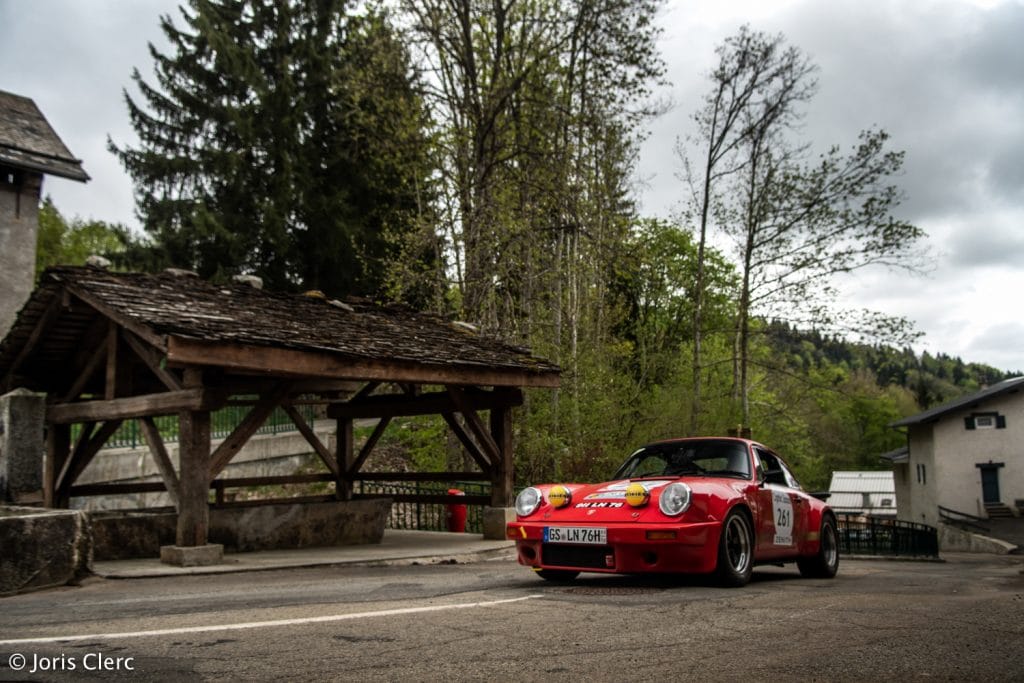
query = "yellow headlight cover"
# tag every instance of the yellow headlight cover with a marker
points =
(559, 496)
(637, 494)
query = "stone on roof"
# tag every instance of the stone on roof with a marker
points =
(28, 142)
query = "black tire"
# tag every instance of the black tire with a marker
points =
(557, 575)
(735, 551)
(825, 563)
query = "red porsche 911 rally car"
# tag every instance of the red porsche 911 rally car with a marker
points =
(698, 505)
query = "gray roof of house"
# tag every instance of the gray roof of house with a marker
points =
(1007, 386)
(27, 141)
(862, 482)
(901, 454)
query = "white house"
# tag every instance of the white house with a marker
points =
(863, 493)
(965, 455)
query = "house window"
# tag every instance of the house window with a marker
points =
(887, 502)
(985, 421)
(922, 474)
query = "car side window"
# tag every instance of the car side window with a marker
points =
(774, 471)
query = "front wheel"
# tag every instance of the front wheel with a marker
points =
(735, 551)
(557, 575)
(825, 563)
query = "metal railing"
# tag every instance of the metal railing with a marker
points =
(426, 516)
(222, 423)
(962, 520)
(872, 536)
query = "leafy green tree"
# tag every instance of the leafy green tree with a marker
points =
(755, 84)
(284, 139)
(70, 243)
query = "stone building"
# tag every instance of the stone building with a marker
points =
(29, 149)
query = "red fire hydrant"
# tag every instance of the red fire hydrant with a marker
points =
(456, 513)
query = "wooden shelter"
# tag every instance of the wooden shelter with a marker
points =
(109, 347)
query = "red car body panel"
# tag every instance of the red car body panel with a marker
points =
(785, 520)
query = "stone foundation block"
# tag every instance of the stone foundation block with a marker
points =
(494, 521)
(192, 556)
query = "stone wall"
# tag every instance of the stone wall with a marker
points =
(22, 414)
(42, 548)
(140, 534)
(19, 229)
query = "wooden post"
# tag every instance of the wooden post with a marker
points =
(346, 458)
(503, 474)
(194, 455)
(194, 477)
(58, 450)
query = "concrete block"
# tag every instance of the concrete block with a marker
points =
(125, 535)
(192, 556)
(42, 548)
(22, 445)
(494, 521)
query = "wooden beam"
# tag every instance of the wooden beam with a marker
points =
(297, 363)
(345, 457)
(471, 447)
(91, 365)
(146, 405)
(85, 450)
(432, 403)
(502, 483)
(474, 423)
(229, 448)
(436, 498)
(58, 450)
(45, 320)
(151, 337)
(151, 357)
(194, 463)
(422, 476)
(161, 458)
(110, 384)
(371, 441)
(312, 438)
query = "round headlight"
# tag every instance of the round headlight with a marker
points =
(675, 499)
(528, 501)
(559, 496)
(637, 494)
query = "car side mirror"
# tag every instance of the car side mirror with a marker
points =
(761, 477)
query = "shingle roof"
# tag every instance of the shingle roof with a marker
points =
(187, 307)
(1007, 386)
(27, 141)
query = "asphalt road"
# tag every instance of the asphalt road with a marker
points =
(962, 620)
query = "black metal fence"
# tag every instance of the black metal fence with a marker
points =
(429, 516)
(873, 536)
(222, 423)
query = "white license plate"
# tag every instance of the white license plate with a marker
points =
(575, 534)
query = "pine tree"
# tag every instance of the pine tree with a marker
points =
(284, 139)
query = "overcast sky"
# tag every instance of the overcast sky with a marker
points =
(944, 77)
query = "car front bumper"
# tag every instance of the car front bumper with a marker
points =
(630, 548)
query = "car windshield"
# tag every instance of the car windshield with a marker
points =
(698, 458)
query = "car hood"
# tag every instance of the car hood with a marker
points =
(606, 502)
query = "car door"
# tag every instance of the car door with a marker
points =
(781, 509)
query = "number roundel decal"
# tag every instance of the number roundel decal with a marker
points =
(637, 494)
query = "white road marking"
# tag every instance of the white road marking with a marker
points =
(262, 624)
